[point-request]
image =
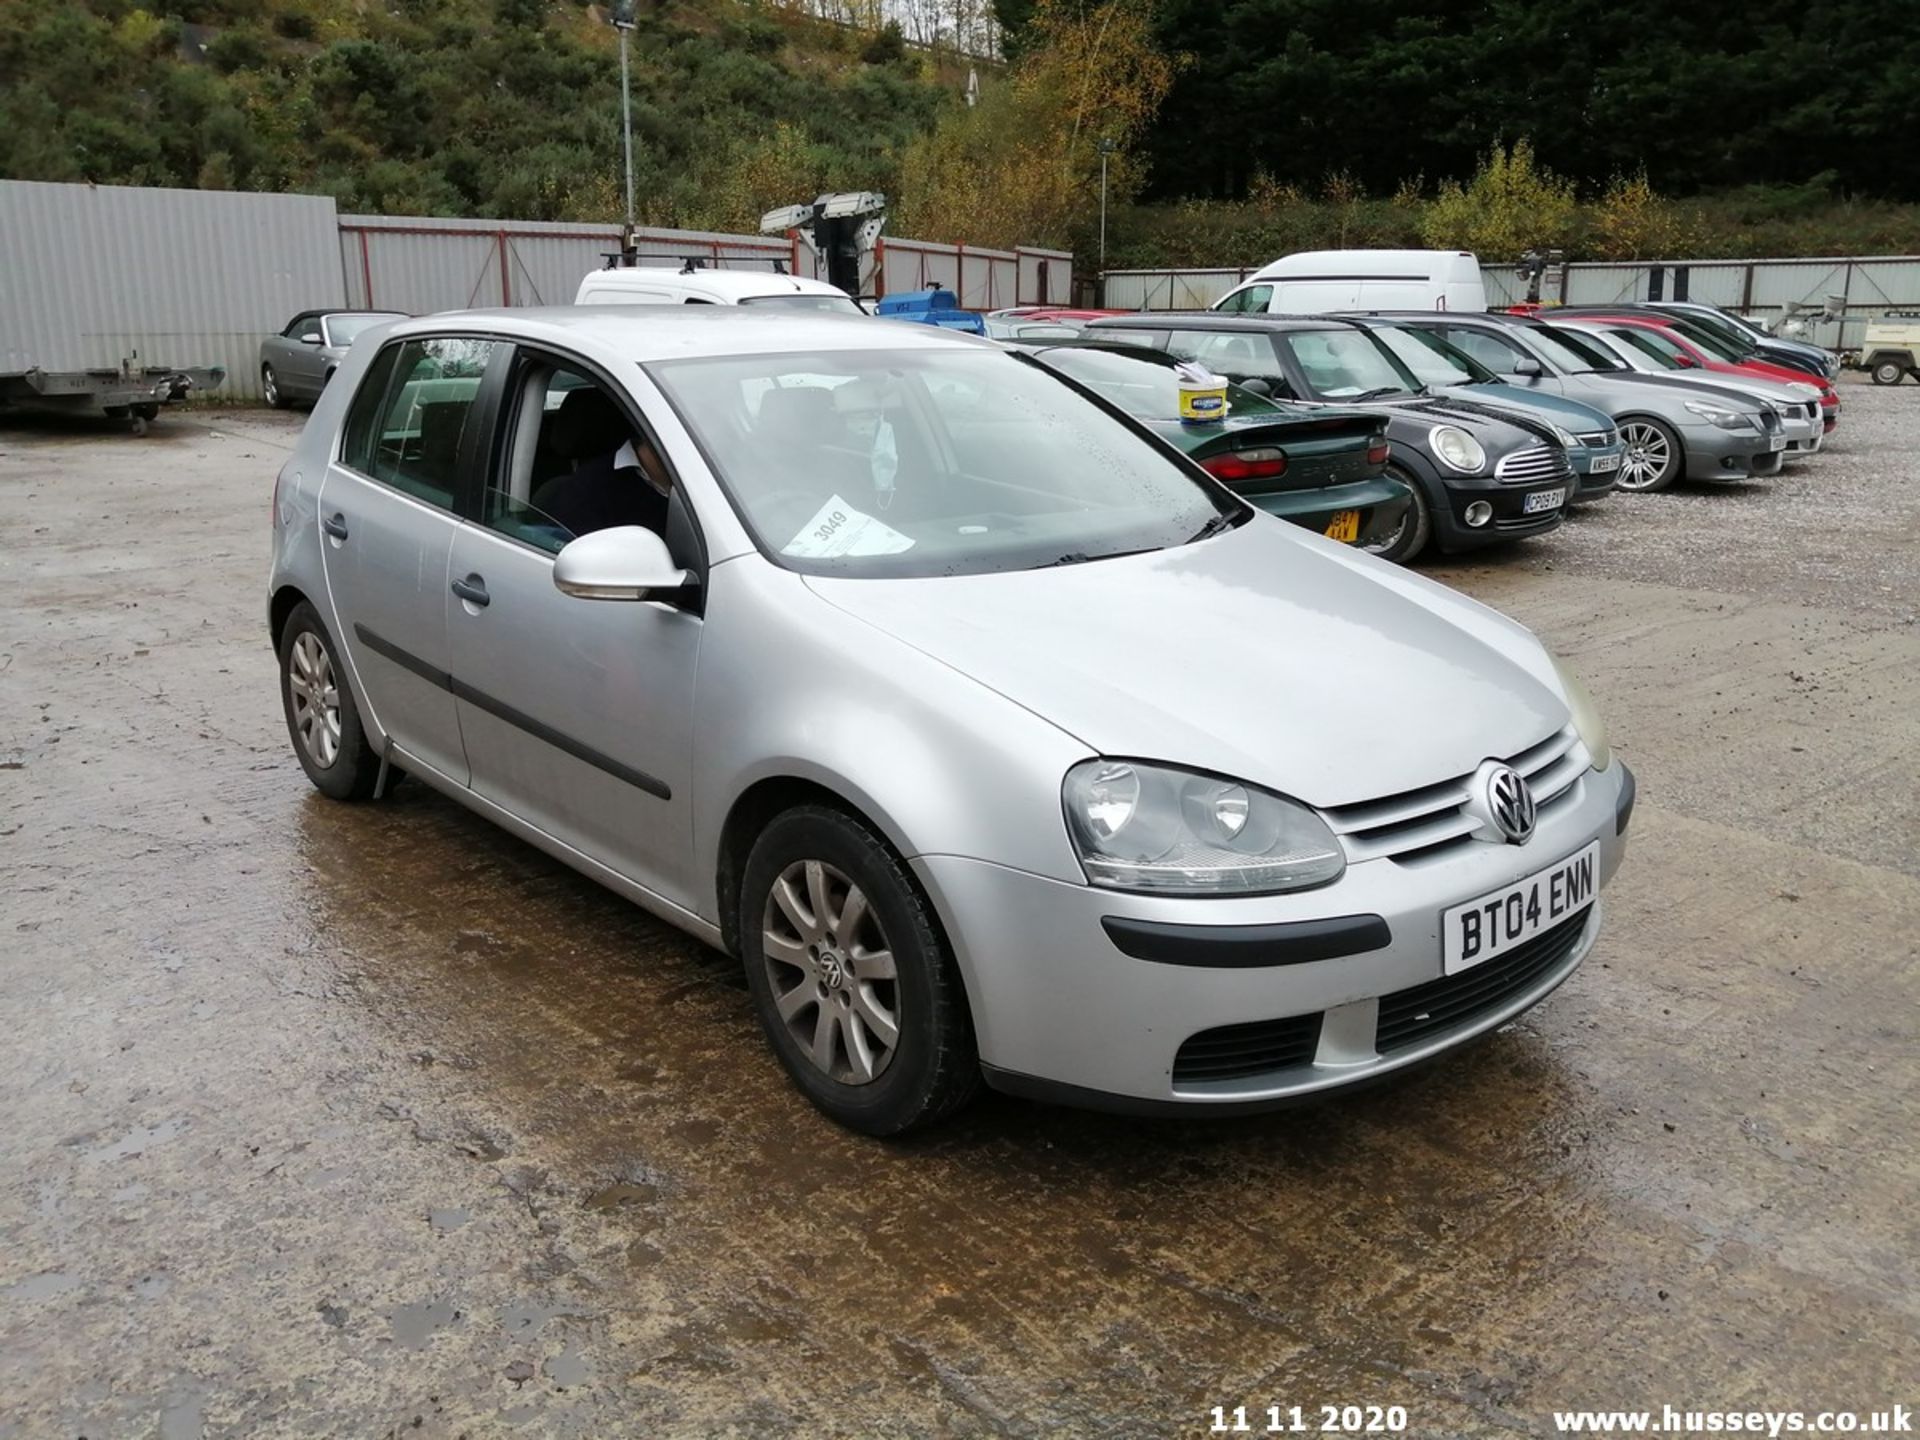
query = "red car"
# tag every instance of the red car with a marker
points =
(1694, 346)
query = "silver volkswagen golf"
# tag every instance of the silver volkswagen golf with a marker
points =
(996, 739)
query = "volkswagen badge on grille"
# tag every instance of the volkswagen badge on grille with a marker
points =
(1509, 803)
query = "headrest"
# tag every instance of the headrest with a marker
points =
(801, 415)
(588, 423)
(440, 425)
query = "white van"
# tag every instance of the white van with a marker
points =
(1322, 282)
(647, 285)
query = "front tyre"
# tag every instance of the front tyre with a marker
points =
(1410, 537)
(322, 718)
(1653, 459)
(851, 976)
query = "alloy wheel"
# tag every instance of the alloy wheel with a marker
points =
(831, 972)
(316, 699)
(270, 386)
(1649, 453)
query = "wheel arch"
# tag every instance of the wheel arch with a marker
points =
(279, 608)
(753, 809)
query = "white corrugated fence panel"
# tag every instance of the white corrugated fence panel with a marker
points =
(92, 275)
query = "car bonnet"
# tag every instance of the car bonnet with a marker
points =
(1264, 654)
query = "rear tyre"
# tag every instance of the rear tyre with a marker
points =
(1653, 460)
(851, 977)
(1415, 529)
(322, 719)
(1888, 372)
(270, 388)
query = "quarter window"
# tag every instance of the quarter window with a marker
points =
(1254, 299)
(408, 421)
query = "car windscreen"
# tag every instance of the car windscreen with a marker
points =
(1571, 353)
(1651, 343)
(1710, 340)
(799, 300)
(930, 462)
(1432, 360)
(341, 329)
(1347, 365)
(1145, 389)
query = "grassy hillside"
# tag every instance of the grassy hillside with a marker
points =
(461, 107)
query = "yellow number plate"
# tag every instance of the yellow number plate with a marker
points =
(1345, 525)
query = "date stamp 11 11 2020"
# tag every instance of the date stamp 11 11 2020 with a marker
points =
(1307, 1420)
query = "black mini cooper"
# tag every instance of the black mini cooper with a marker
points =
(1479, 474)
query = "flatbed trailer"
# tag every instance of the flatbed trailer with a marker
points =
(133, 393)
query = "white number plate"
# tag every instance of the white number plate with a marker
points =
(1542, 500)
(1492, 925)
(1604, 463)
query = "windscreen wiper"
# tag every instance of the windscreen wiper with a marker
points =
(1218, 524)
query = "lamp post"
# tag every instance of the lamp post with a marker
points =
(1107, 146)
(622, 17)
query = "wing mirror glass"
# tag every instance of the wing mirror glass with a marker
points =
(1686, 362)
(1527, 365)
(310, 338)
(627, 562)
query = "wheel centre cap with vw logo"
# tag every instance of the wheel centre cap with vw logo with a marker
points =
(1500, 804)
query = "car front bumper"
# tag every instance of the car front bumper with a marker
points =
(1597, 469)
(1716, 454)
(1062, 1012)
(1510, 520)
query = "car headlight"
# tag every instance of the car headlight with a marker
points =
(1587, 723)
(1156, 830)
(1457, 448)
(1714, 415)
(1566, 438)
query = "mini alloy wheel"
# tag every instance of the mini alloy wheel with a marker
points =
(270, 388)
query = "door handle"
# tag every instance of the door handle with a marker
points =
(473, 590)
(335, 525)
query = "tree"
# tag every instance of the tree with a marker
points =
(1512, 205)
(1023, 166)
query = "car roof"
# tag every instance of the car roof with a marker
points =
(1449, 317)
(1218, 320)
(733, 284)
(662, 332)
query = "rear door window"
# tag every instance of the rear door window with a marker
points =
(409, 420)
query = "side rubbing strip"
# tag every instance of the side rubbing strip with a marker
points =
(500, 710)
(405, 659)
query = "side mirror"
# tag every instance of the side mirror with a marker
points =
(1685, 362)
(1527, 365)
(1257, 385)
(310, 338)
(627, 562)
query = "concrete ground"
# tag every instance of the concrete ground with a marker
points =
(329, 1120)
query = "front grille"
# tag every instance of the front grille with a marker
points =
(1433, 816)
(1408, 1017)
(1233, 1052)
(1770, 422)
(1536, 462)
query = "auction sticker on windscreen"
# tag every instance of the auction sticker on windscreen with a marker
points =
(1504, 919)
(838, 529)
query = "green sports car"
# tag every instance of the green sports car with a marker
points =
(1320, 467)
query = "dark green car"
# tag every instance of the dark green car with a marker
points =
(1320, 467)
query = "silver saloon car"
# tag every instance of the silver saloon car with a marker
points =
(997, 740)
